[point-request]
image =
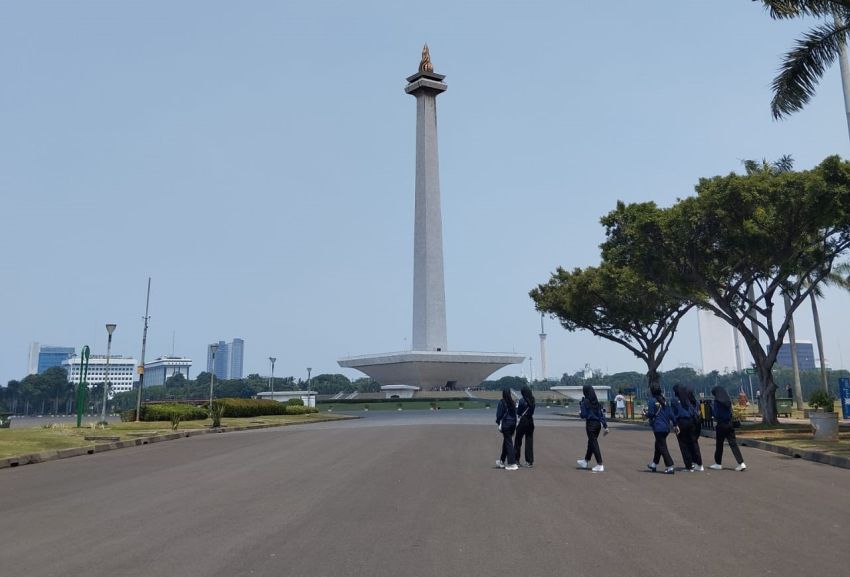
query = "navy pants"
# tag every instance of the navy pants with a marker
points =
(592, 428)
(661, 449)
(525, 428)
(508, 451)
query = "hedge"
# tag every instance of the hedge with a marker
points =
(232, 408)
(165, 412)
(261, 407)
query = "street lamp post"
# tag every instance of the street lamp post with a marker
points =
(110, 328)
(308, 385)
(213, 350)
(271, 378)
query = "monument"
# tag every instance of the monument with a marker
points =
(429, 365)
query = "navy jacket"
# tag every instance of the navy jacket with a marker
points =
(585, 412)
(682, 410)
(506, 413)
(661, 417)
(722, 413)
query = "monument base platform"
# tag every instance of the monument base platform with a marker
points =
(431, 370)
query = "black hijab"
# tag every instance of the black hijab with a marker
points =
(526, 394)
(692, 397)
(681, 393)
(721, 396)
(590, 395)
(655, 391)
(508, 399)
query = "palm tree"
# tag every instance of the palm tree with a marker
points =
(838, 277)
(803, 67)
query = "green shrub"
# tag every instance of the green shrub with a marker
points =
(300, 410)
(295, 403)
(820, 399)
(216, 413)
(166, 412)
(251, 407)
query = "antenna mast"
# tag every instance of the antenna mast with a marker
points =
(141, 368)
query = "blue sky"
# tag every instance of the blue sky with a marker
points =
(256, 160)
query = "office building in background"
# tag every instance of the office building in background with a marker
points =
(42, 358)
(805, 355)
(229, 359)
(122, 372)
(160, 370)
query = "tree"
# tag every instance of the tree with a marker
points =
(804, 66)
(742, 243)
(176, 380)
(56, 383)
(617, 304)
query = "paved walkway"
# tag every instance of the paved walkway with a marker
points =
(416, 494)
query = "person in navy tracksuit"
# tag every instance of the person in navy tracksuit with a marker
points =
(525, 426)
(683, 417)
(697, 429)
(724, 430)
(590, 410)
(661, 418)
(506, 420)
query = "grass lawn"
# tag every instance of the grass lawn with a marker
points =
(51, 437)
(840, 448)
(797, 436)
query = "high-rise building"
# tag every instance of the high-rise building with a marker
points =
(160, 370)
(122, 372)
(805, 355)
(237, 354)
(42, 358)
(32, 359)
(229, 359)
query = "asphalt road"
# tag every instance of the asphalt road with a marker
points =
(416, 493)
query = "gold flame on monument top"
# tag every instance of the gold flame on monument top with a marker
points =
(425, 65)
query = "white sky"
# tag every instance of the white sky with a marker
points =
(257, 160)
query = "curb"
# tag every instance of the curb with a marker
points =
(32, 458)
(817, 457)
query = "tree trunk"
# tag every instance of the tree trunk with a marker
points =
(795, 366)
(819, 339)
(769, 415)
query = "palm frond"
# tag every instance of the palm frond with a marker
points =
(785, 163)
(786, 9)
(803, 67)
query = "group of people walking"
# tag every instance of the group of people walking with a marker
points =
(516, 422)
(681, 417)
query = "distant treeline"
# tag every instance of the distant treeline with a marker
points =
(51, 393)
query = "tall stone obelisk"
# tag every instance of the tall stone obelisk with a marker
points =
(429, 292)
(429, 365)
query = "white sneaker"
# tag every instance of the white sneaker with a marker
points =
(699, 468)
(582, 464)
(500, 464)
(651, 467)
(741, 467)
(598, 469)
(669, 471)
(715, 466)
(513, 467)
